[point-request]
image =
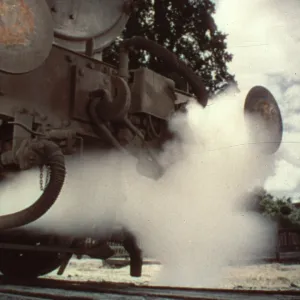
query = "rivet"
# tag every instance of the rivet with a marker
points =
(65, 123)
(44, 117)
(69, 58)
(80, 72)
(90, 65)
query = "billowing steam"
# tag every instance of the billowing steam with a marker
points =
(264, 37)
(193, 219)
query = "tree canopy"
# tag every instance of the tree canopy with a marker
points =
(184, 27)
(278, 209)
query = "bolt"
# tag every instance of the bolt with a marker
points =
(40, 146)
(43, 117)
(32, 157)
(66, 123)
(23, 111)
(128, 7)
(90, 65)
(81, 72)
(34, 113)
(69, 59)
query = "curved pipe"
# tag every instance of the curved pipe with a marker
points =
(170, 58)
(52, 156)
(99, 127)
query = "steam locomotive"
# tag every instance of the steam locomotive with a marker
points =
(57, 96)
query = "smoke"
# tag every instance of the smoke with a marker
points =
(193, 219)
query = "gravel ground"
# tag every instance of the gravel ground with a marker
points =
(262, 276)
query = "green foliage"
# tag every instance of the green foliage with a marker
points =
(279, 209)
(186, 28)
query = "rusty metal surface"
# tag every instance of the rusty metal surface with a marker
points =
(114, 104)
(44, 90)
(76, 22)
(17, 23)
(20, 133)
(88, 79)
(56, 92)
(26, 34)
(152, 94)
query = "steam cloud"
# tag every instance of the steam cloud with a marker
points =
(264, 37)
(193, 219)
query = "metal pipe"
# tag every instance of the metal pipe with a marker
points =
(124, 64)
(50, 155)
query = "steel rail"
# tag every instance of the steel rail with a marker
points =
(289, 257)
(60, 289)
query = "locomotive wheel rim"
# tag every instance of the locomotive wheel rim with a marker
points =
(261, 104)
(19, 263)
(28, 264)
(26, 35)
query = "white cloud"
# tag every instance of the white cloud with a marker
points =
(264, 37)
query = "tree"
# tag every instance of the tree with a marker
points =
(186, 28)
(281, 209)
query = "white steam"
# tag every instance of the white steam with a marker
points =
(264, 38)
(193, 219)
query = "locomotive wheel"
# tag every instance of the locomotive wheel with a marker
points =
(27, 264)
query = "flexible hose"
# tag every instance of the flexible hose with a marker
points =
(99, 126)
(54, 158)
(172, 60)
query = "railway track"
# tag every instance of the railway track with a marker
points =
(54, 289)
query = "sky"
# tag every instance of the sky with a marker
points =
(264, 38)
